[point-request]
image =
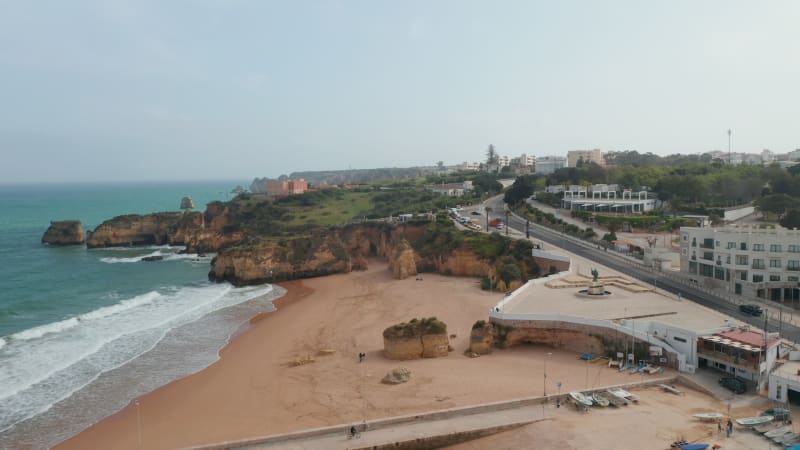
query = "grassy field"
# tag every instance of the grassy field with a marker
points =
(335, 210)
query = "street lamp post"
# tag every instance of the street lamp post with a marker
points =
(544, 381)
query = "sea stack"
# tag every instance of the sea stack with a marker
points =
(64, 232)
(187, 203)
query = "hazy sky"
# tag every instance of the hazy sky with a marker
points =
(220, 89)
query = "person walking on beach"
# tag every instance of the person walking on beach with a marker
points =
(362, 356)
(729, 428)
(719, 427)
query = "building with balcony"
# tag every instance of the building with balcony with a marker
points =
(741, 353)
(747, 261)
(607, 198)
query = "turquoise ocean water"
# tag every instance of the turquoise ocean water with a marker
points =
(82, 332)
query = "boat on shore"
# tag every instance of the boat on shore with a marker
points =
(709, 417)
(670, 389)
(581, 399)
(694, 446)
(615, 400)
(600, 399)
(622, 393)
(754, 421)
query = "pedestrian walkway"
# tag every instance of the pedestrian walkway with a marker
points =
(404, 432)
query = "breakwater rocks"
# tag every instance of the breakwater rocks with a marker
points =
(64, 232)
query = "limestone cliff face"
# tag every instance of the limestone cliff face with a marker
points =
(403, 261)
(415, 347)
(64, 232)
(200, 232)
(286, 260)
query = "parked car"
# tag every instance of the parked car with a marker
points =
(734, 384)
(778, 413)
(751, 309)
(476, 213)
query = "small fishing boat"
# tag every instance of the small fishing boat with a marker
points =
(754, 421)
(580, 399)
(624, 367)
(694, 446)
(637, 368)
(615, 400)
(709, 417)
(600, 399)
(655, 369)
(670, 389)
(622, 393)
(778, 432)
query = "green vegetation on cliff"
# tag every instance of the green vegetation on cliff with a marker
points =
(415, 328)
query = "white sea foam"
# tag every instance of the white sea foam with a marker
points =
(2, 342)
(46, 364)
(38, 332)
(124, 305)
(132, 259)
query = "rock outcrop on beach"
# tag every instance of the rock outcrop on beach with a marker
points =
(397, 376)
(64, 232)
(424, 338)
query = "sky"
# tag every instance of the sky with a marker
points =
(227, 89)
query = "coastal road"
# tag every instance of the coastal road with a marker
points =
(586, 250)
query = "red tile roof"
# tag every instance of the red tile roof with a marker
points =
(751, 338)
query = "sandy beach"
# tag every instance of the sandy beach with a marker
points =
(256, 390)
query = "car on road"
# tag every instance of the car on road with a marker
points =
(476, 213)
(734, 384)
(778, 413)
(752, 309)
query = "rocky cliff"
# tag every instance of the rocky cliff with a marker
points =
(425, 338)
(199, 232)
(64, 232)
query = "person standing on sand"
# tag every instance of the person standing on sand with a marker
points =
(719, 427)
(729, 428)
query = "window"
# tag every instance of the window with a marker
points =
(775, 263)
(794, 248)
(741, 260)
(743, 246)
(708, 243)
(708, 256)
(758, 263)
(758, 247)
(684, 252)
(694, 242)
(685, 237)
(743, 276)
(774, 278)
(731, 245)
(706, 270)
(737, 288)
(692, 267)
(793, 264)
(775, 248)
(792, 278)
(719, 273)
(679, 339)
(728, 259)
(758, 278)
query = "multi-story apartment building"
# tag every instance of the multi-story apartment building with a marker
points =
(748, 261)
(545, 165)
(286, 188)
(587, 156)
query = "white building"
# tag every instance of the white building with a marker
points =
(607, 198)
(470, 166)
(784, 383)
(548, 164)
(750, 262)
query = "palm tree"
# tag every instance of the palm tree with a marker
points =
(488, 209)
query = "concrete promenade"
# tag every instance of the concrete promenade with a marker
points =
(446, 427)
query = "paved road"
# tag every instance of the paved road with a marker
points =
(585, 250)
